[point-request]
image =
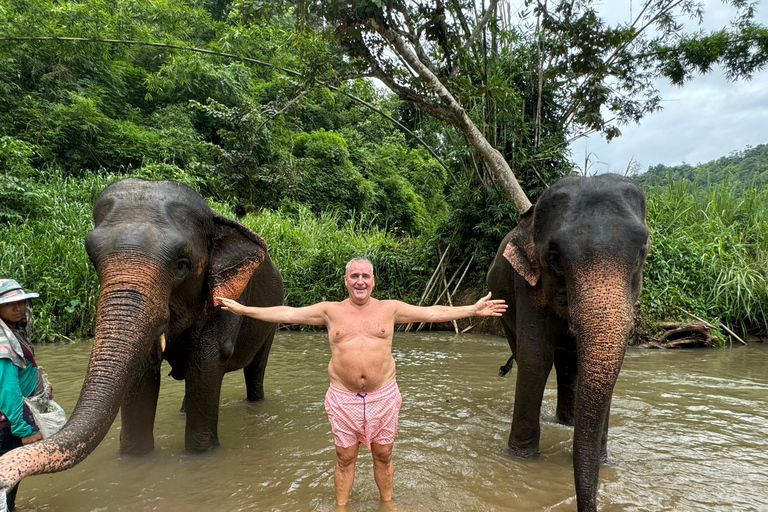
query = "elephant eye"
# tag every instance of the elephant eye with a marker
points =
(183, 266)
(553, 260)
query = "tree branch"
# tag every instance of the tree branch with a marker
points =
(459, 118)
(480, 25)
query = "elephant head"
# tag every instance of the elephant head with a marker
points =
(573, 270)
(161, 255)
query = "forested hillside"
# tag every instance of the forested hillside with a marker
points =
(739, 170)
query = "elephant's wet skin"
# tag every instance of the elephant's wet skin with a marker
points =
(572, 271)
(161, 255)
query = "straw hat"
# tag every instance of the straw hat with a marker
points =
(11, 291)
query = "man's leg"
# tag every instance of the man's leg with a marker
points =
(383, 470)
(344, 473)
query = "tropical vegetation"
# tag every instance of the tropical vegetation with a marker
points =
(267, 109)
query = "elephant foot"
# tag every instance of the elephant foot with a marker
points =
(136, 449)
(522, 452)
(606, 459)
(256, 395)
(201, 443)
(565, 418)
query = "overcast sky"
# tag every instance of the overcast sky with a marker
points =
(707, 118)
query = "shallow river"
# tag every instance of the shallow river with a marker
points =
(688, 433)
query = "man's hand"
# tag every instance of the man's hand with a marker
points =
(488, 307)
(37, 436)
(229, 305)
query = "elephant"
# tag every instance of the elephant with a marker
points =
(161, 255)
(571, 272)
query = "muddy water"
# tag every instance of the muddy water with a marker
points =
(688, 433)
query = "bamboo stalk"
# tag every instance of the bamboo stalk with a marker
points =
(448, 295)
(446, 290)
(428, 288)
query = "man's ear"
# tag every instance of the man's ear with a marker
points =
(236, 252)
(521, 251)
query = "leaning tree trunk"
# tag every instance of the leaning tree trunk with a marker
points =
(601, 317)
(451, 111)
(127, 318)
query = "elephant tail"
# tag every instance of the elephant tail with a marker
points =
(504, 370)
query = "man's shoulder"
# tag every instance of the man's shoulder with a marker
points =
(393, 306)
(392, 303)
(372, 305)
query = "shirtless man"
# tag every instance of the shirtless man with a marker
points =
(363, 400)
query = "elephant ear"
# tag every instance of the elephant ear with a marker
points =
(521, 252)
(236, 252)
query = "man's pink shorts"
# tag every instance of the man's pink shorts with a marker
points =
(363, 418)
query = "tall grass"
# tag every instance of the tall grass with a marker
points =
(709, 254)
(44, 251)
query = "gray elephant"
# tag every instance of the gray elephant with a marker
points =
(161, 255)
(571, 272)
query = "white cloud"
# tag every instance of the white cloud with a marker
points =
(707, 118)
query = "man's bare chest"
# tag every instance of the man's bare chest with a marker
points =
(353, 328)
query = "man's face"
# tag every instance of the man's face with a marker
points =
(359, 281)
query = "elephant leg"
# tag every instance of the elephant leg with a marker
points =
(534, 354)
(526, 415)
(254, 372)
(137, 414)
(202, 387)
(567, 373)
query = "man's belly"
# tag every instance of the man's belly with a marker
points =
(361, 372)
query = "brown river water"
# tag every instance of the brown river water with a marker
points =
(689, 432)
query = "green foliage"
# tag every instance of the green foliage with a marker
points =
(741, 51)
(17, 200)
(709, 254)
(328, 180)
(478, 219)
(245, 160)
(228, 125)
(409, 188)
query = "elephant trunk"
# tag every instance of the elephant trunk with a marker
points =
(131, 314)
(601, 314)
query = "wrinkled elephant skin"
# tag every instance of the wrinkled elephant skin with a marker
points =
(571, 272)
(161, 255)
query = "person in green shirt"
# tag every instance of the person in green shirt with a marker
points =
(18, 374)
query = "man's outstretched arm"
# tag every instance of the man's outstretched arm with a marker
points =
(310, 315)
(407, 313)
